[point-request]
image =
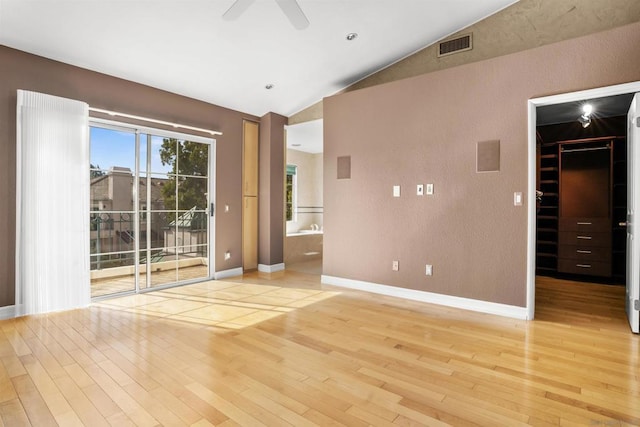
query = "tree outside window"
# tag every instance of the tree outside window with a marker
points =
(290, 192)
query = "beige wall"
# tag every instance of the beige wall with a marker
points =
(19, 70)
(424, 130)
(309, 178)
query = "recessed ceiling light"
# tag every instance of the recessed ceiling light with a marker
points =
(352, 36)
(269, 86)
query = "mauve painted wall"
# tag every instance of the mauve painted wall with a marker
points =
(424, 130)
(19, 70)
(271, 190)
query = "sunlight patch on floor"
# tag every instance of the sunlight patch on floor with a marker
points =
(218, 303)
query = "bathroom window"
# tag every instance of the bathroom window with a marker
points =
(291, 192)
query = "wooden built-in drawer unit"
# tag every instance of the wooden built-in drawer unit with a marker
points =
(584, 253)
(585, 224)
(584, 238)
(591, 268)
(584, 246)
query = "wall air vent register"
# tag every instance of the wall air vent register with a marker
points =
(456, 45)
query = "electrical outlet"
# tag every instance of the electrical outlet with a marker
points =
(420, 190)
(227, 255)
(396, 191)
(429, 189)
(395, 265)
(428, 270)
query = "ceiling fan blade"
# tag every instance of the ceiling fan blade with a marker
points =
(237, 9)
(292, 10)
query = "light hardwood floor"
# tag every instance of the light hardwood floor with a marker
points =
(281, 349)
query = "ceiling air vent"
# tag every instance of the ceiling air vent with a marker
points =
(459, 44)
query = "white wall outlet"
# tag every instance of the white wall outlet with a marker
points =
(420, 190)
(396, 191)
(226, 208)
(227, 255)
(395, 265)
(430, 189)
(428, 270)
(517, 198)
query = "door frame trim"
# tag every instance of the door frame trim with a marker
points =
(532, 105)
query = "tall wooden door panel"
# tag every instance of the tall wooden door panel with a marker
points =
(250, 233)
(250, 195)
(250, 162)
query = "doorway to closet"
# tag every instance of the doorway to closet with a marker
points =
(150, 219)
(579, 178)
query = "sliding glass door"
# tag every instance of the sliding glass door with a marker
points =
(150, 223)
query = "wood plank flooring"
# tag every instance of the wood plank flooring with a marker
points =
(282, 349)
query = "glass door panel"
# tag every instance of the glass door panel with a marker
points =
(149, 210)
(193, 262)
(185, 216)
(112, 215)
(164, 268)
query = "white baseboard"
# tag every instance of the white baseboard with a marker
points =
(228, 273)
(430, 297)
(270, 268)
(7, 312)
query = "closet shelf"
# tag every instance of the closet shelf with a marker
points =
(547, 230)
(547, 255)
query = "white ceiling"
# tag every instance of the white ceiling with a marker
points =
(307, 137)
(185, 47)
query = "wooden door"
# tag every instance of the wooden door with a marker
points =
(250, 162)
(250, 195)
(249, 233)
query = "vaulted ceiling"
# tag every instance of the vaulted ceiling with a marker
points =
(186, 47)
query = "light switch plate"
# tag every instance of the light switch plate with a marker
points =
(395, 265)
(429, 189)
(517, 198)
(428, 270)
(420, 190)
(396, 191)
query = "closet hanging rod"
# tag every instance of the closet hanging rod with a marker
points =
(586, 149)
(160, 122)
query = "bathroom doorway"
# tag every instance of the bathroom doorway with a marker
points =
(304, 228)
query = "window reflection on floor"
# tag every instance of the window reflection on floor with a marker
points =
(217, 303)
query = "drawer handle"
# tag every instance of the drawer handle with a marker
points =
(583, 265)
(583, 237)
(583, 252)
(584, 223)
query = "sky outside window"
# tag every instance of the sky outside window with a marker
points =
(111, 148)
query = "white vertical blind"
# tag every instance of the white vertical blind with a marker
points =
(52, 218)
